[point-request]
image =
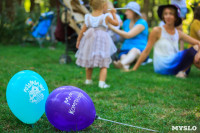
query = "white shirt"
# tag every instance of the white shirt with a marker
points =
(164, 50)
(96, 21)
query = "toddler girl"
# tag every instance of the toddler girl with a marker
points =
(94, 44)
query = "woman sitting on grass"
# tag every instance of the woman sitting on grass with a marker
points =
(135, 34)
(195, 25)
(167, 58)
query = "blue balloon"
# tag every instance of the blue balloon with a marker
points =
(26, 96)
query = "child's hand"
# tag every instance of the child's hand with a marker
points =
(113, 10)
(77, 44)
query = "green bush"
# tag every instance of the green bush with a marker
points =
(13, 30)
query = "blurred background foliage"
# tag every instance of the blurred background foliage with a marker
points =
(14, 13)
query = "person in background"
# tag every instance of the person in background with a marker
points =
(167, 59)
(161, 23)
(114, 35)
(195, 25)
(183, 11)
(135, 34)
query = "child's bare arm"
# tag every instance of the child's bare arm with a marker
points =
(113, 21)
(84, 28)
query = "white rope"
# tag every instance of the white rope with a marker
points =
(119, 9)
(126, 124)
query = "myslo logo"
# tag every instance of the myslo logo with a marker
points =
(184, 128)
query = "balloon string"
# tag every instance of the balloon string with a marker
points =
(126, 124)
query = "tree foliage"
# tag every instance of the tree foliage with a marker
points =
(10, 17)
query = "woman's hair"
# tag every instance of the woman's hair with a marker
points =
(97, 4)
(172, 9)
(197, 13)
(137, 16)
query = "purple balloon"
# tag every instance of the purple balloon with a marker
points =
(70, 108)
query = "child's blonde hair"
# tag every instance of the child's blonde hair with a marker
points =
(97, 4)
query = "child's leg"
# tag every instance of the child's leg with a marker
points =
(103, 74)
(102, 78)
(88, 75)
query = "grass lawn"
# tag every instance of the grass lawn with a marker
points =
(142, 98)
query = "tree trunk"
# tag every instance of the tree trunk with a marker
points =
(19, 2)
(32, 5)
(9, 8)
(146, 6)
(52, 3)
(146, 9)
(152, 18)
(1, 6)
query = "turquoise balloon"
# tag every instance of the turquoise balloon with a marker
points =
(26, 96)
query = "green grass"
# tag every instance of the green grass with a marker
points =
(142, 98)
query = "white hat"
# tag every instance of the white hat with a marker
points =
(134, 7)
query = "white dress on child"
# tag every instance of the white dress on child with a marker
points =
(96, 45)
